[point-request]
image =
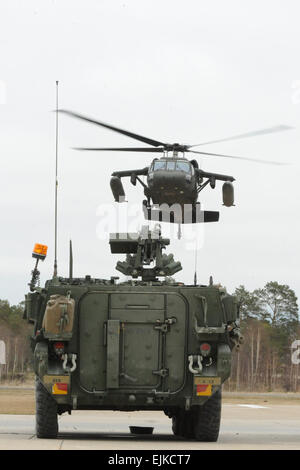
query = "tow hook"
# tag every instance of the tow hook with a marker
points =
(197, 360)
(72, 358)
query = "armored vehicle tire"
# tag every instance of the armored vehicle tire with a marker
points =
(182, 424)
(46, 413)
(207, 419)
(188, 429)
(177, 424)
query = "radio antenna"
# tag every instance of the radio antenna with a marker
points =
(56, 186)
(196, 259)
(71, 262)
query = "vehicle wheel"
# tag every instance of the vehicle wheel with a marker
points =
(207, 419)
(46, 413)
(177, 425)
(182, 424)
(188, 428)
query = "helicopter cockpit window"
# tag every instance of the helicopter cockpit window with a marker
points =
(159, 166)
(170, 165)
(183, 166)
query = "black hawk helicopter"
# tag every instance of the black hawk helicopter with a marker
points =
(173, 180)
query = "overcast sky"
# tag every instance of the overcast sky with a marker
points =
(174, 71)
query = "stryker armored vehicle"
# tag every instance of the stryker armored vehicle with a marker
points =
(143, 344)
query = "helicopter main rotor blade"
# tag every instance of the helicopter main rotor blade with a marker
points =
(141, 138)
(239, 158)
(122, 149)
(269, 130)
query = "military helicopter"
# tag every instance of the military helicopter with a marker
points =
(173, 180)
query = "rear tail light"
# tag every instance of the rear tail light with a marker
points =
(59, 348)
(205, 349)
(205, 390)
(60, 389)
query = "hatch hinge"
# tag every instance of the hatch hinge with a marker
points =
(164, 326)
(161, 372)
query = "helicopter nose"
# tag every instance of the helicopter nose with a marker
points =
(171, 180)
(170, 188)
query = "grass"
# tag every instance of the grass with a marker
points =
(17, 402)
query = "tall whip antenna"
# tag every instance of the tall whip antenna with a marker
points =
(56, 185)
(196, 259)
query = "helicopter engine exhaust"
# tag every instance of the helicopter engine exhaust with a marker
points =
(228, 194)
(117, 188)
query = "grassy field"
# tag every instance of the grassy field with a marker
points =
(19, 400)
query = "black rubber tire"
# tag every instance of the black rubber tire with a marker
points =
(207, 418)
(46, 413)
(176, 425)
(182, 424)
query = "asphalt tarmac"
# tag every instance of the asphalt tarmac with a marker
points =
(243, 426)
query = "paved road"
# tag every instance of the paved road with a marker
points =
(244, 426)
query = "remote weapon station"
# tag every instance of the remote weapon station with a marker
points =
(147, 343)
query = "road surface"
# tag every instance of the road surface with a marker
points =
(243, 426)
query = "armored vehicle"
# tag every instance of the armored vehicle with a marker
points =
(148, 343)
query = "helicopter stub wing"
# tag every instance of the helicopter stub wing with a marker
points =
(124, 173)
(216, 176)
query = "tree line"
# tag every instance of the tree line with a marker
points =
(269, 323)
(15, 334)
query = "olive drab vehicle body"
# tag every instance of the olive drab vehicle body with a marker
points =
(143, 344)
